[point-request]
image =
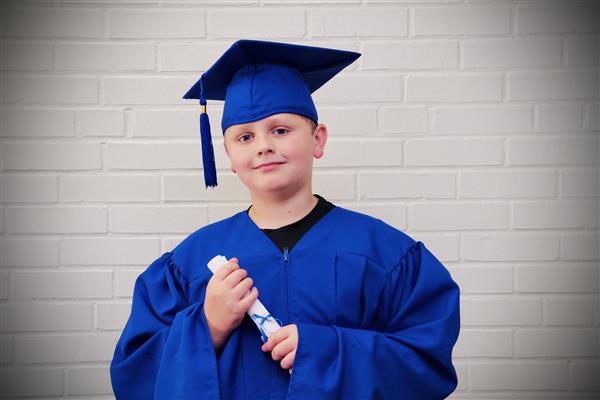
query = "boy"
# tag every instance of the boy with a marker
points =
(366, 311)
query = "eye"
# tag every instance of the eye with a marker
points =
(244, 138)
(281, 131)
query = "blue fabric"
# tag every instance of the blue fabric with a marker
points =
(377, 317)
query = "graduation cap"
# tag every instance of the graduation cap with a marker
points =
(258, 79)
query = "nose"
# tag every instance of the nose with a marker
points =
(264, 144)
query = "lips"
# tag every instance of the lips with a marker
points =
(268, 165)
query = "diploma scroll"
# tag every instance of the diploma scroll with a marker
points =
(264, 321)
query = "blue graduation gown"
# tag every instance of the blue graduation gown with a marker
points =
(377, 317)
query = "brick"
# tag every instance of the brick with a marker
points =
(463, 378)
(218, 212)
(458, 216)
(164, 219)
(125, 281)
(553, 151)
(593, 118)
(162, 23)
(521, 375)
(56, 220)
(388, 185)
(52, 22)
(193, 57)
(509, 247)
(105, 57)
(553, 85)
(108, 251)
(6, 350)
(38, 123)
(461, 20)
(443, 246)
(4, 277)
(521, 52)
(107, 187)
(51, 156)
(507, 184)
(169, 123)
(392, 214)
(340, 153)
(145, 90)
(579, 182)
(403, 119)
(62, 285)
(360, 88)
(50, 90)
(137, 156)
(482, 119)
(102, 122)
(335, 185)
(582, 50)
(64, 348)
(29, 252)
(572, 18)
(23, 56)
(349, 121)
(169, 243)
(501, 311)
(484, 343)
(451, 152)
(18, 381)
(560, 117)
(89, 380)
(583, 375)
(359, 22)
(409, 55)
(569, 311)
(549, 279)
(37, 317)
(453, 87)
(265, 22)
(112, 315)
(580, 246)
(191, 188)
(556, 343)
(29, 188)
(483, 279)
(550, 215)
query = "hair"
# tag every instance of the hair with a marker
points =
(313, 124)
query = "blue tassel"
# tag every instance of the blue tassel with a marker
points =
(208, 155)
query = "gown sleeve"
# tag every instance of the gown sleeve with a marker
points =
(409, 358)
(165, 350)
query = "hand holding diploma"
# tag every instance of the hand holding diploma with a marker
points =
(229, 295)
(230, 291)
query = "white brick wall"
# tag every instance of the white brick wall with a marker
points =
(472, 126)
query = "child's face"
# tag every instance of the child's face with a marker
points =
(275, 154)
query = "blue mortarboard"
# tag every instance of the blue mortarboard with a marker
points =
(257, 79)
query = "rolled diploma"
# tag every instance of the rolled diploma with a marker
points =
(264, 321)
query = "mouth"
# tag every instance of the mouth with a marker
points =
(268, 165)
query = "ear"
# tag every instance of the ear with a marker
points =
(320, 137)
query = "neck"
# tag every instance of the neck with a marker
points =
(273, 212)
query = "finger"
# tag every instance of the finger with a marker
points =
(248, 299)
(224, 270)
(242, 288)
(234, 278)
(282, 349)
(288, 360)
(276, 337)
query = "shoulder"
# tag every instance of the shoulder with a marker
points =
(202, 245)
(371, 236)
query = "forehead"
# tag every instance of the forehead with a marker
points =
(275, 119)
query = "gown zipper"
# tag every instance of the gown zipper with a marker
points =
(285, 266)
